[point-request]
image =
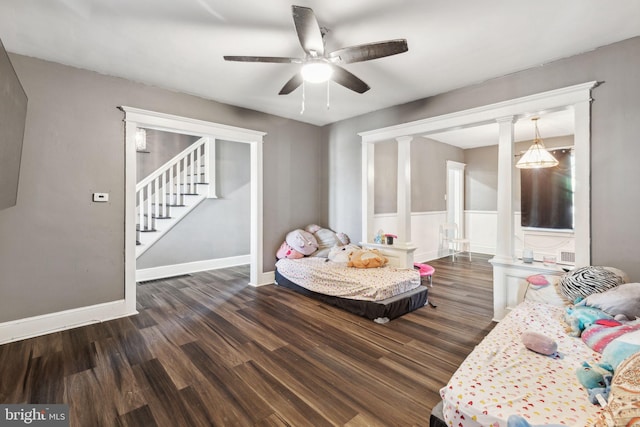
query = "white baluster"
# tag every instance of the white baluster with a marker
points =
(156, 199)
(165, 205)
(149, 205)
(192, 185)
(141, 209)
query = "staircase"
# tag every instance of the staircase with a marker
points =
(172, 191)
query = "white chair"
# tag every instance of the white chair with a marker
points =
(451, 242)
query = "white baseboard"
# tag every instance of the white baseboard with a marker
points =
(30, 327)
(267, 278)
(189, 267)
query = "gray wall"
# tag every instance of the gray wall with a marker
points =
(58, 250)
(217, 228)
(428, 175)
(13, 112)
(614, 142)
(481, 175)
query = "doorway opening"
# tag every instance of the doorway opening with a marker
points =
(136, 118)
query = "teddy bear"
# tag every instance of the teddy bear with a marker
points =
(366, 258)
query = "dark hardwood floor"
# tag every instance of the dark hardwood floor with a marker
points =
(207, 349)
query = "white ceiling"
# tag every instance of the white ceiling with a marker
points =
(550, 125)
(179, 44)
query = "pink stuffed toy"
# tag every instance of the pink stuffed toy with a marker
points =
(286, 251)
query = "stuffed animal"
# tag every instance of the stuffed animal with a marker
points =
(326, 239)
(366, 258)
(580, 317)
(596, 378)
(286, 251)
(341, 253)
(539, 343)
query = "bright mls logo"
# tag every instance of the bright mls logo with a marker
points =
(34, 415)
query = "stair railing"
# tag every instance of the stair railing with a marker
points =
(167, 186)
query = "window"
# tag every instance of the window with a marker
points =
(547, 194)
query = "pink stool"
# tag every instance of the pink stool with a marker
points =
(425, 270)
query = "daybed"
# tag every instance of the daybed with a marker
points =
(503, 378)
(320, 263)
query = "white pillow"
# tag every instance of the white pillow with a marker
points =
(623, 299)
(548, 294)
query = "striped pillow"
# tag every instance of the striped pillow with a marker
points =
(584, 281)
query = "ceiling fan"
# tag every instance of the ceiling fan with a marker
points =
(320, 66)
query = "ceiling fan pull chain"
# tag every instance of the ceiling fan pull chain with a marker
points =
(302, 109)
(328, 94)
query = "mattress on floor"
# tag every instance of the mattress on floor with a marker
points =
(326, 277)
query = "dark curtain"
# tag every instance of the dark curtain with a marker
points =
(547, 194)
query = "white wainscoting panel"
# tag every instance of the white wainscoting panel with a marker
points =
(424, 231)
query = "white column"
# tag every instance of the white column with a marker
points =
(404, 190)
(582, 202)
(504, 244)
(505, 229)
(368, 177)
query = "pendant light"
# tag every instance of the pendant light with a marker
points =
(537, 155)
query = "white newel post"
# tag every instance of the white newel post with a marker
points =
(210, 167)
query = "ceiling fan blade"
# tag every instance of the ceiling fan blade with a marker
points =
(348, 80)
(291, 85)
(275, 59)
(308, 30)
(369, 51)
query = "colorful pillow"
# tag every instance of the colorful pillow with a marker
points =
(621, 348)
(582, 282)
(623, 408)
(598, 337)
(623, 299)
(579, 318)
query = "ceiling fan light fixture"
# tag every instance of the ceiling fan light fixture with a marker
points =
(536, 156)
(316, 72)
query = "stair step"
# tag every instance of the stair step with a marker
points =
(148, 230)
(185, 194)
(157, 217)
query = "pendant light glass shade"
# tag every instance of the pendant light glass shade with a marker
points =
(537, 155)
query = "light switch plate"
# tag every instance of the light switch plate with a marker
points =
(100, 197)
